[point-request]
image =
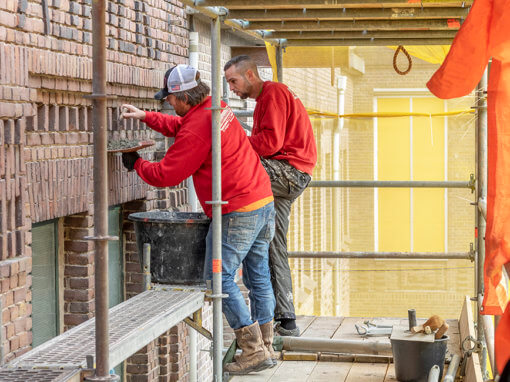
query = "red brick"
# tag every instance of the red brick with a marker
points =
(33, 139)
(22, 278)
(20, 295)
(25, 339)
(5, 284)
(20, 325)
(74, 319)
(14, 343)
(78, 294)
(78, 270)
(14, 312)
(79, 258)
(13, 281)
(79, 246)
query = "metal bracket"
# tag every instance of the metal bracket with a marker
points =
(216, 202)
(476, 348)
(467, 352)
(472, 252)
(210, 297)
(472, 182)
(196, 323)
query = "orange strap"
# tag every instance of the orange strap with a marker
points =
(255, 205)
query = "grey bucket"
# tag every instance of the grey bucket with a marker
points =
(414, 359)
(177, 242)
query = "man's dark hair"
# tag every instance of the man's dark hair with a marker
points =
(196, 95)
(243, 63)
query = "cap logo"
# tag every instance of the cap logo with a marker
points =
(175, 87)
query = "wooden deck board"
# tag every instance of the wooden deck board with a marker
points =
(367, 372)
(303, 322)
(390, 376)
(291, 371)
(330, 371)
(323, 327)
(340, 328)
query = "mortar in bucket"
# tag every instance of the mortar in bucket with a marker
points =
(177, 241)
(415, 354)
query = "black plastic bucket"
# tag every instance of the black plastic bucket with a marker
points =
(177, 242)
(414, 359)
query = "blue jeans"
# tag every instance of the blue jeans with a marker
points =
(245, 239)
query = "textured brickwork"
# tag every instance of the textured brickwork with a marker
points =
(144, 365)
(15, 282)
(46, 151)
(79, 269)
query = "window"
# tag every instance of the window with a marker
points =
(45, 302)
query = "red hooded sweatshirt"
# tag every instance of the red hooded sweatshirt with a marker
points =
(243, 179)
(282, 129)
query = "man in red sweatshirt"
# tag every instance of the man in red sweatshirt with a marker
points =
(282, 135)
(247, 218)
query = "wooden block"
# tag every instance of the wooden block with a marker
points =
(298, 356)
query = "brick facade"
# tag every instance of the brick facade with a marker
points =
(46, 154)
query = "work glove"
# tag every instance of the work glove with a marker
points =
(129, 160)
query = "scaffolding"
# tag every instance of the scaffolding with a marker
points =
(217, 14)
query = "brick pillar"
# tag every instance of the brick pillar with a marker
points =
(79, 269)
(175, 348)
(143, 366)
(15, 237)
(16, 307)
(133, 276)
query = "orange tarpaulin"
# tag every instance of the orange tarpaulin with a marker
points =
(486, 34)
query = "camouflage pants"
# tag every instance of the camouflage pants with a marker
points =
(287, 184)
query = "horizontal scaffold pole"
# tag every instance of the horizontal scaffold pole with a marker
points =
(272, 4)
(393, 184)
(382, 255)
(348, 13)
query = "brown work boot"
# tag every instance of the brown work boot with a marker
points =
(267, 337)
(254, 356)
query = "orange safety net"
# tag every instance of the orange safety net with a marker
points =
(486, 34)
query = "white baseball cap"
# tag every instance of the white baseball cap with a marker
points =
(182, 78)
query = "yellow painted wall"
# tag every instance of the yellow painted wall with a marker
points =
(428, 164)
(344, 219)
(393, 163)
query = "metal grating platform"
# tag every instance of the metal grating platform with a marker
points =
(133, 324)
(39, 375)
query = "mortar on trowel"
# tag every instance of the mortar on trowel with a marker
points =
(416, 350)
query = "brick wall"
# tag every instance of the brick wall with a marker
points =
(16, 309)
(46, 139)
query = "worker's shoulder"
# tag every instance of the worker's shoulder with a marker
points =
(278, 89)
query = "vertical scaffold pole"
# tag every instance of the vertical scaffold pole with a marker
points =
(481, 189)
(216, 202)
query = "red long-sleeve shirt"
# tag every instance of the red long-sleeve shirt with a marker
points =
(282, 129)
(243, 179)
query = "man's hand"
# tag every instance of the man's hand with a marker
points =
(129, 111)
(129, 160)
